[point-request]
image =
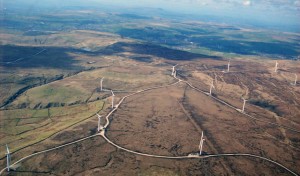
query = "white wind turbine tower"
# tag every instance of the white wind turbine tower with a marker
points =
(99, 123)
(201, 144)
(276, 67)
(112, 99)
(8, 159)
(101, 82)
(211, 87)
(243, 110)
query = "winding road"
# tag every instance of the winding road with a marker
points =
(190, 156)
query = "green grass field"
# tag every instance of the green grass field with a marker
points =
(23, 127)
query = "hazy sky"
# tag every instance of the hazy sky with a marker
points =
(272, 11)
(219, 4)
(285, 7)
(264, 11)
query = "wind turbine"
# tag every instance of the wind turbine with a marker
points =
(8, 159)
(211, 87)
(216, 80)
(296, 77)
(201, 144)
(276, 67)
(101, 81)
(99, 123)
(244, 104)
(112, 99)
(228, 66)
(173, 70)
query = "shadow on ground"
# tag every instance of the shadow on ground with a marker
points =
(12, 56)
(152, 50)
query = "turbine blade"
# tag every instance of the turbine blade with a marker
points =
(7, 150)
